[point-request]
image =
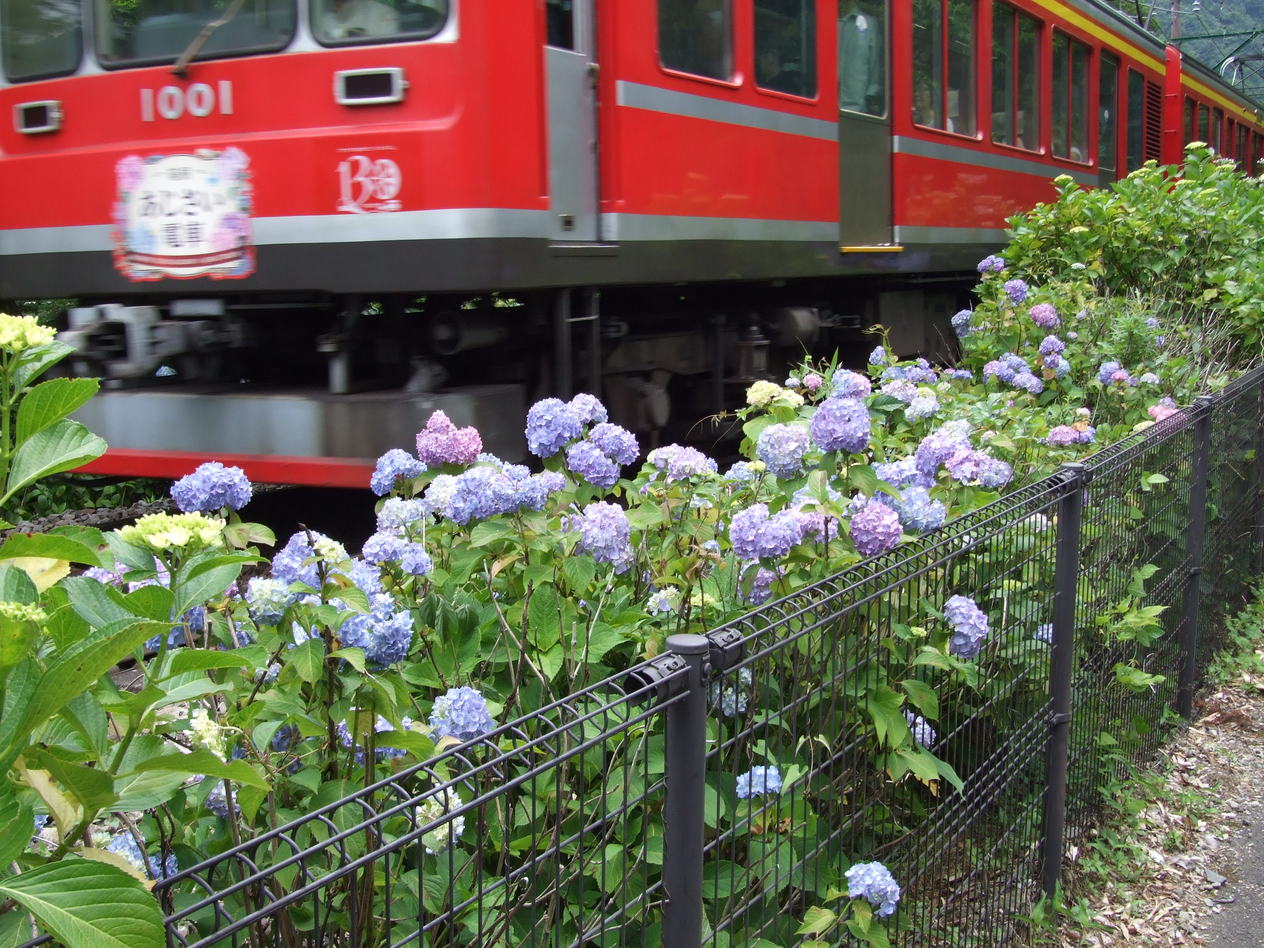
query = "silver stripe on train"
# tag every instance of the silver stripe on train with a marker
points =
(637, 95)
(951, 235)
(946, 151)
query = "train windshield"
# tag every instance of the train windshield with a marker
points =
(42, 38)
(131, 32)
(341, 22)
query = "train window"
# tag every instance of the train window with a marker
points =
(150, 31)
(944, 34)
(1015, 78)
(785, 46)
(1070, 98)
(1216, 140)
(561, 23)
(1244, 147)
(1191, 120)
(696, 36)
(1107, 111)
(42, 38)
(1204, 124)
(346, 22)
(1135, 145)
(862, 30)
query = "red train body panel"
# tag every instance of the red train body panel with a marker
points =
(334, 236)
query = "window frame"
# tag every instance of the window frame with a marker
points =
(1014, 80)
(1074, 110)
(1105, 59)
(10, 33)
(940, 71)
(675, 18)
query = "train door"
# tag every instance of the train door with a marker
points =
(570, 76)
(864, 123)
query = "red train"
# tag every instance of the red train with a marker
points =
(296, 227)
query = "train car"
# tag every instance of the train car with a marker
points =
(294, 228)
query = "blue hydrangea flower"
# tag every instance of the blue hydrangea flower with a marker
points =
(782, 447)
(212, 487)
(759, 781)
(1149, 378)
(399, 514)
(938, 446)
(1152, 322)
(268, 598)
(416, 561)
(903, 472)
(1029, 383)
(217, 800)
(124, 845)
(1016, 290)
(875, 527)
(917, 510)
(534, 491)
(969, 626)
(296, 561)
(729, 695)
(841, 424)
(664, 601)
(391, 466)
(923, 733)
(873, 882)
(923, 405)
(1044, 316)
(479, 492)
(381, 725)
(385, 634)
(383, 548)
(753, 534)
(589, 462)
(847, 384)
(551, 423)
(878, 356)
(742, 472)
(1044, 633)
(462, 714)
(961, 321)
(1051, 345)
(961, 375)
(902, 389)
(1106, 372)
(991, 264)
(978, 467)
(761, 584)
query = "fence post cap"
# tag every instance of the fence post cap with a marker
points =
(687, 643)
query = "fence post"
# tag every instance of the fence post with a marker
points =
(1197, 531)
(1061, 664)
(1257, 486)
(685, 763)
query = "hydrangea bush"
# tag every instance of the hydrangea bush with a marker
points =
(490, 589)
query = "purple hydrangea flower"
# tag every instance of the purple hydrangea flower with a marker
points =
(1028, 383)
(978, 467)
(761, 585)
(878, 356)
(902, 389)
(533, 493)
(742, 472)
(782, 447)
(923, 733)
(969, 626)
(589, 462)
(616, 443)
(461, 713)
(1051, 345)
(391, 466)
(381, 725)
(124, 845)
(812, 381)
(938, 446)
(1152, 322)
(1064, 435)
(759, 781)
(991, 264)
(551, 423)
(923, 405)
(1016, 290)
(588, 409)
(1106, 372)
(961, 321)
(902, 473)
(841, 424)
(679, 462)
(604, 533)
(1058, 365)
(1043, 315)
(875, 527)
(754, 534)
(442, 442)
(212, 487)
(874, 883)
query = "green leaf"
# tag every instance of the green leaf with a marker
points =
(817, 920)
(542, 617)
(49, 402)
(922, 696)
(722, 877)
(16, 585)
(16, 824)
(352, 656)
(579, 572)
(194, 659)
(91, 786)
(88, 904)
(34, 361)
(146, 791)
(883, 706)
(307, 659)
(488, 531)
(49, 545)
(201, 761)
(64, 445)
(204, 576)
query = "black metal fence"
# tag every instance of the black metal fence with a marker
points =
(619, 816)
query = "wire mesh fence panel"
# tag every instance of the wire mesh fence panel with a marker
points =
(546, 831)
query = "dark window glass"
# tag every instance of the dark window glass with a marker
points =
(944, 64)
(862, 81)
(41, 38)
(1135, 145)
(561, 23)
(337, 22)
(1204, 124)
(1015, 78)
(1070, 98)
(1107, 112)
(150, 31)
(1191, 120)
(785, 46)
(696, 36)
(1217, 130)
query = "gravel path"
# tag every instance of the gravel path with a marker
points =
(1208, 889)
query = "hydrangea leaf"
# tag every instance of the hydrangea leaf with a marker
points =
(35, 360)
(93, 787)
(50, 401)
(817, 920)
(883, 705)
(202, 761)
(16, 823)
(49, 545)
(307, 659)
(922, 696)
(88, 904)
(61, 446)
